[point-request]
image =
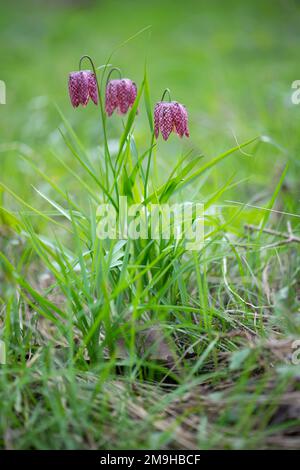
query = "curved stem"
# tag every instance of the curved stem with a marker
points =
(111, 71)
(167, 90)
(89, 59)
(107, 153)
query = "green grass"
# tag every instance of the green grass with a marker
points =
(142, 344)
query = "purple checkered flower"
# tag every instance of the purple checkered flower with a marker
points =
(168, 117)
(120, 95)
(82, 87)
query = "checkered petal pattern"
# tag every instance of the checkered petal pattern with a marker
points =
(82, 87)
(120, 96)
(168, 117)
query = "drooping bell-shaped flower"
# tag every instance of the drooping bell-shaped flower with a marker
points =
(120, 95)
(82, 87)
(168, 117)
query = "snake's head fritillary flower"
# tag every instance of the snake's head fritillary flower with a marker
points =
(164, 121)
(82, 87)
(120, 95)
(170, 116)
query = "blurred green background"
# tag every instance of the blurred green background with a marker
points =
(231, 63)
